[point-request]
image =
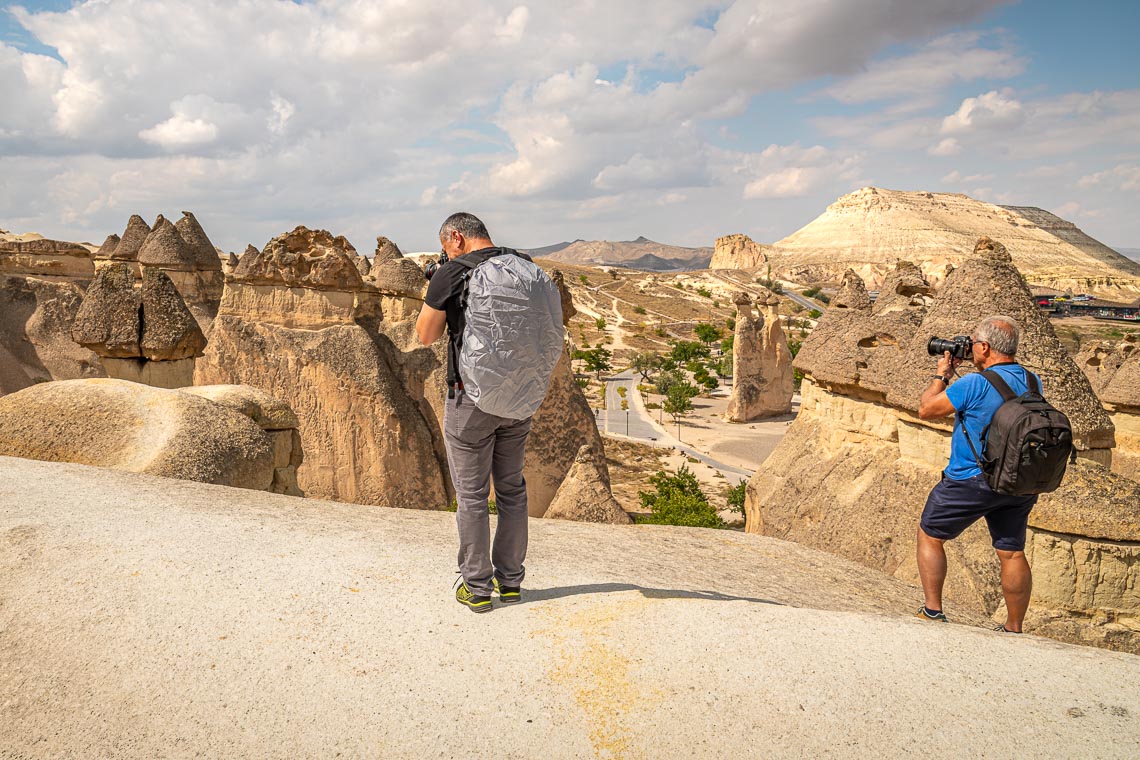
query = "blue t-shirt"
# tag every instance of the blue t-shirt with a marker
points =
(976, 400)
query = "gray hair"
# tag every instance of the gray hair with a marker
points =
(1002, 333)
(467, 225)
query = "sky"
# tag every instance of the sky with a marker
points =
(678, 120)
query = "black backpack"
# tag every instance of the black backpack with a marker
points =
(1028, 443)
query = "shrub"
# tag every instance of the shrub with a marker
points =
(815, 314)
(600, 323)
(638, 309)
(678, 500)
(584, 279)
(704, 292)
(735, 497)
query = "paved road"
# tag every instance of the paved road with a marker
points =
(807, 303)
(635, 422)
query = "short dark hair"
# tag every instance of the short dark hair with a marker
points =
(467, 225)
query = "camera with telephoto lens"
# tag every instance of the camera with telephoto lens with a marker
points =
(431, 268)
(959, 346)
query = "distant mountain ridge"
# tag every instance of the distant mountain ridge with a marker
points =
(641, 253)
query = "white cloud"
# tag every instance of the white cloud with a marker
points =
(944, 61)
(946, 147)
(180, 132)
(991, 111)
(1119, 177)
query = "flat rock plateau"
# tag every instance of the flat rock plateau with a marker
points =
(146, 617)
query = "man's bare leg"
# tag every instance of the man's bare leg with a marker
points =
(931, 568)
(1016, 584)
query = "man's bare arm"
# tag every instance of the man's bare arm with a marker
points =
(430, 325)
(934, 402)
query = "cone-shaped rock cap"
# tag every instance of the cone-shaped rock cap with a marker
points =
(132, 240)
(386, 250)
(903, 283)
(232, 260)
(302, 258)
(584, 496)
(108, 319)
(363, 266)
(165, 248)
(108, 248)
(205, 255)
(852, 293)
(169, 330)
(398, 276)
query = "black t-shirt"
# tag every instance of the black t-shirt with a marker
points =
(446, 288)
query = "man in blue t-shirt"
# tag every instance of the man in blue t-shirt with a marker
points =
(963, 496)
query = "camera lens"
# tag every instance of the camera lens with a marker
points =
(939, 346)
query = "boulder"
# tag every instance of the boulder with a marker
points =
(852, 293)
(585, 494)
(135, 428)
(169, 331)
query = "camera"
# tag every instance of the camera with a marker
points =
(959, 346)
(431, 268)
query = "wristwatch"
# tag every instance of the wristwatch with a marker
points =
(945, 380)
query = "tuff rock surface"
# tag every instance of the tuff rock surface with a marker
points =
(1114, 372)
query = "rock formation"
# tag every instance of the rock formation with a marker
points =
(1114, 371)
(41, 287)
(399, 281)
(585, 494)
(190, 260)
(737, 252)
(52, 259)
(135, 428)
(127, 248)
(762, 382)
(869, 229)
(288, 324)
(852, 293)
(145, 335)
(852, 473)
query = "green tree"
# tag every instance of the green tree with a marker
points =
(735, 497)
(667, 379)
(688, 350)
(679, 400)
(727, 344)
(710, 383)
(708, 333)
(584, 279)
(815, 314)
(646, 363)
(678, 500)
(600, 323)
(598, 360)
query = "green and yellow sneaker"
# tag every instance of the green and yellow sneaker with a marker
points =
(931, 617)
(474, 602)
(508, 594)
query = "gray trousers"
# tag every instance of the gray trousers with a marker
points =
(480, 447)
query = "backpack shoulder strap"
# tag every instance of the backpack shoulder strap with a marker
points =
(999, 385)
(1031, 382)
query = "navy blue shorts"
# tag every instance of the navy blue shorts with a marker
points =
(954, 505)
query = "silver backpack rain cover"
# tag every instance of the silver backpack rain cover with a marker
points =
(512, 337)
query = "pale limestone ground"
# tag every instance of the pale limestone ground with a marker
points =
(143, 617)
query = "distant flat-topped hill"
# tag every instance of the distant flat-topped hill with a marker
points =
(870, 228)
(641, 253)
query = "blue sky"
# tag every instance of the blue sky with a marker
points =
(558, 121)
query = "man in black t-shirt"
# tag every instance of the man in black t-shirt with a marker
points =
(479, 445)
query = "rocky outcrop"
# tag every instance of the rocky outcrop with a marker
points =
(49, 259)
(869, 229)
(737, 252)
(399, 282)
(288, 324)
(852, 293)
(852, 473)
(36, 317)
(144, 335)
(762, 382)
(189, 259)
(585, 494)
(1114, 372)
(125, 426)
